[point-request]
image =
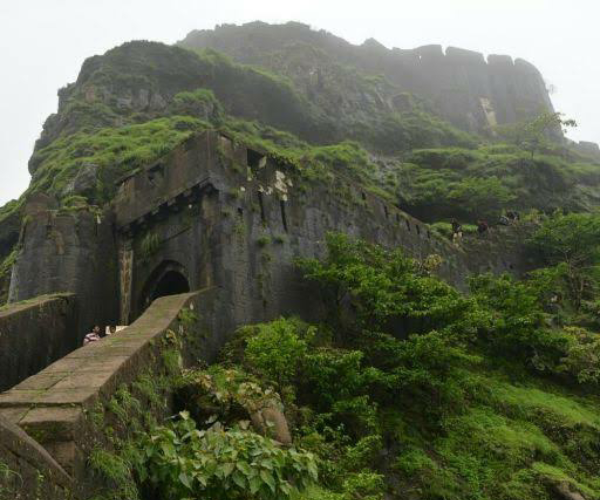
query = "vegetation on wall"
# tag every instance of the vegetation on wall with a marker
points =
(407, 387)
(108, 154)
(438, 184)
(440, 394)
(139, 100)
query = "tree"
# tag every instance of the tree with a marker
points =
(276, 350)
(376, 287)
(571, 243)
(533, 135)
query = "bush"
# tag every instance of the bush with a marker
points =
(275, 351)
(184, 462)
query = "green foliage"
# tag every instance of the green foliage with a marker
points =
(8, 209)
(439, 184)
(263, 241)
(116, 471)
(7, 264)
(200, 103)
(571, 244)
(399, 132)
(572, 238)
(513, 322)
(382, 285)
(583, 357)
(116, 151)
(459, 435)
(409, 388)
(275, 351)
(533, 135)
(234, 463)
(149, 245)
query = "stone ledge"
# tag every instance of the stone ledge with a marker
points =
(50, 406)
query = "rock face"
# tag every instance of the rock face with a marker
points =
(84, 182)
(137, 82)
(271, 422)
(469, 91)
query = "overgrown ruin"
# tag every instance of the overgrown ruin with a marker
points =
(212, 228)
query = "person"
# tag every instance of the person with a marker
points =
(457, 233)
(112, 329)
(504, 220)
(93, 336)
(513, 216)
(482, 227)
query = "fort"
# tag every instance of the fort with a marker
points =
(472, 92)
(213, 227)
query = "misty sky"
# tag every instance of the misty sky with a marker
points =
(44, 42)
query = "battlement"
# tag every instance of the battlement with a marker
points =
(473, 92)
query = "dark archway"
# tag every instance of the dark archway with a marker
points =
(169, 278)
(171, 283)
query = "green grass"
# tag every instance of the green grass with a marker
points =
(468, 184)
(116, 151)
(511, 442)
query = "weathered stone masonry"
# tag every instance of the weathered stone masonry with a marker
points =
(212, 215)
(216, 213)
(55, 406)
(34, 334)
(226, 215)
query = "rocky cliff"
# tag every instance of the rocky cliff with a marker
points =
(471, 92)
(317, 101)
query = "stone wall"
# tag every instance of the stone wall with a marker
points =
(27, 471)
(229, 216)
(58, 406)
(34, 334)
(466, 89)
(68, 251)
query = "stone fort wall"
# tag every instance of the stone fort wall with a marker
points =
(226, 215)
(221, 218)
(217, 213)
(466, 88)
(34, 334)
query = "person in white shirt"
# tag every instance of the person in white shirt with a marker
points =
(93, 336)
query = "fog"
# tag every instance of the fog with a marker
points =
(43, 44)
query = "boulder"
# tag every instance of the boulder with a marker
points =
(270, 421)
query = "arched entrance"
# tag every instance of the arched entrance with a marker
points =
(169, 278)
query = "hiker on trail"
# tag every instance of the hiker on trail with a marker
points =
(482, 227)
(457, 232)
(93, 336)
(513, 216)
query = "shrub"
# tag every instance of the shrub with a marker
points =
(184, 462)
(275, 351)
